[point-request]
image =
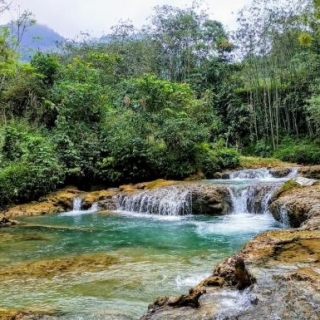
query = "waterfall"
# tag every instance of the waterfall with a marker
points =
(293, 173)
(171, 201)
(250, 192)
(94, 207)
(76, 204)
(262, 173)
(251, 198)
(284, 217)
(251, 189)
(76, 210)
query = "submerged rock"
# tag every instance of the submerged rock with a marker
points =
(29, 314)
(48, 268)
(5, 222)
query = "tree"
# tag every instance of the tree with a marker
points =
(277, 69)
(186, 42)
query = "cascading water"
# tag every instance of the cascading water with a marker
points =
(76, 204)
(251, 190)
(170, 201)
(263, 173)
(76, 208)
(284, 217)
(251, 197)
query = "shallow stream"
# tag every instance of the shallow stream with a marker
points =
(150, 256)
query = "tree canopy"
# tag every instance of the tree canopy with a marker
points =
(179, 96)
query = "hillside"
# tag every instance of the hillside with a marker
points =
(37, 38)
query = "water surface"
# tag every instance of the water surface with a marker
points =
(154, 255)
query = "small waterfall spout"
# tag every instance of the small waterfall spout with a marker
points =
(76, 204)
(253, 198)
(171, 201)
(264, 174)
(284, 217)
(94, 207)
(293, 173)
(76, 210)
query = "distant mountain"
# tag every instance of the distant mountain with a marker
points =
(36, 38)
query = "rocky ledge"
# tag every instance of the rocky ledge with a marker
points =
(298, 202)
(281, 280)
(205, 199)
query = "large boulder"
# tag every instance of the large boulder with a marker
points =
(212, 200)
(311, 172)
(280, 172)
(298, 204)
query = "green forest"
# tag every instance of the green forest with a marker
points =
(177, 97)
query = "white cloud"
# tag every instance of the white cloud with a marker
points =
(69, 17)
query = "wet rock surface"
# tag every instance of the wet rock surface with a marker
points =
(311, 172)
(28, 315)
(282, 282)
(281, 277)
(5, 222)
(210, 200)
(279, 172)
(50, 267)
(300, 205)
(55, 202)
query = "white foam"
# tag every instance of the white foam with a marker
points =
(74, 213)
(240, 223)
(153, 216)
(231, 302)
(191, 280)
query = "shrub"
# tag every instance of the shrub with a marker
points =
(301, 152)
(127, 153)
(32, 171)
(214, 157)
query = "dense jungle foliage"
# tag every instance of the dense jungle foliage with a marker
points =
(174, 98)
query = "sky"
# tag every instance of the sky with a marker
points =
(70, 17)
